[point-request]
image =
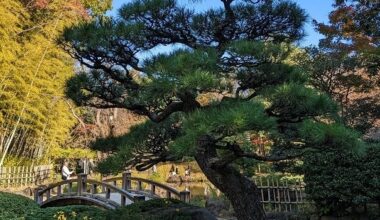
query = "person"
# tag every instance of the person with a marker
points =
(91, 166)
(172, 171)
(65, 171)
(154, 169)
(187, 171)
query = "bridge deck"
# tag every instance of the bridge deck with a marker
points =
(116, 197)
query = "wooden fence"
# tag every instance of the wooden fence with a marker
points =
(24, 175)
(281, 196)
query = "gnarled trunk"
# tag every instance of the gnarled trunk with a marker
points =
(242, 192)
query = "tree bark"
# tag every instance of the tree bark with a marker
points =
(242, 192)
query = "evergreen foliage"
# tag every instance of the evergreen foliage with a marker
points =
(241, 54)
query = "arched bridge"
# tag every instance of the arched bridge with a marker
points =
(110, 193)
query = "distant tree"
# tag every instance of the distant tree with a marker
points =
(346, 63)
(240, 54)
(346, 66)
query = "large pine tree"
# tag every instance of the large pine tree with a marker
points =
(237, 54)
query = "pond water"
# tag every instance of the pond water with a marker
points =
(196, 188)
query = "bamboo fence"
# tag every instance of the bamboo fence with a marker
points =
(24, 175)
(281, 196)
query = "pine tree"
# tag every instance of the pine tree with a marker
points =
(238, 56)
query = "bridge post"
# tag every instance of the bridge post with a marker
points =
(37, 197)
(126, 182)
(82, 179)
(184, 196)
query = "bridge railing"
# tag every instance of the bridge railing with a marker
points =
(126, 183)
(85, 187)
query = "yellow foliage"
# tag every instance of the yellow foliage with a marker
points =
(33, 74)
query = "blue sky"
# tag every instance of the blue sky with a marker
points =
(316, 9)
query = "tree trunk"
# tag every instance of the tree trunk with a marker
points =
(242, 192)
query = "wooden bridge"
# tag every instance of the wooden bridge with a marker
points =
(110, 193)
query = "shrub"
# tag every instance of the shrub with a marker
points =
(339, 182)
(75, 212)
(14, 206)
(155, 209)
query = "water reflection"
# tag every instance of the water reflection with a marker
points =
(205, 189)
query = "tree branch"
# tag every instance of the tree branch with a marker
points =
(237, 153)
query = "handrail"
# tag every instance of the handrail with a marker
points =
(125, 191)
(124, 194)
(53, 185)
(114, 188)
(151, 182)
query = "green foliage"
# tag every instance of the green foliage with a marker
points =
(295, 100)
(371, 171)
(97, 7)
(263, 106)
(14, 206)
(270, 52)
(335, 136)
(73, 212)
(224, 120)
(183, 62)
(339, 180)
(155, 209)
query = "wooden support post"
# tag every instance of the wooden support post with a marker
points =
(82, 183)
(108, 193)
(48, 194)
(153, 189)
(139, 186)
(59, 190)
(126, 181)
(123, 200)
(168, 194)
(184, 196)
(38, 197)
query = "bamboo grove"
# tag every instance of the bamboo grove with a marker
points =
(35, 117)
